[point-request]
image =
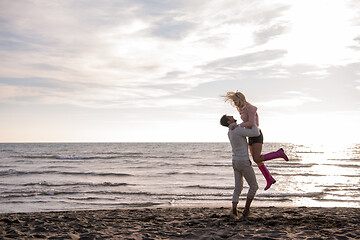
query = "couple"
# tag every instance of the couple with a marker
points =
(240, 156)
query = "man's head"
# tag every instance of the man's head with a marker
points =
(227, 120)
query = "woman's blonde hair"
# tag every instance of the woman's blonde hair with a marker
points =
(236, 99)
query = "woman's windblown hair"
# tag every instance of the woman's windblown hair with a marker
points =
(237, 99)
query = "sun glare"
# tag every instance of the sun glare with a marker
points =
(320, 129)
(320, 32)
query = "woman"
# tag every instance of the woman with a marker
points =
(250, 118)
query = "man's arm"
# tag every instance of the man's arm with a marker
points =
(247, 124)
(252, 132)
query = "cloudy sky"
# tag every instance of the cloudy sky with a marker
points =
(138, 70)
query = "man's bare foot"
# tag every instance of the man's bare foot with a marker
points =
(246, 213)
(234, 211)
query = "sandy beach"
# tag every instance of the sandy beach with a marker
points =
(184, 223)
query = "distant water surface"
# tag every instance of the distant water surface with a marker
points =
(72, 176)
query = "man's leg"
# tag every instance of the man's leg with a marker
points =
(250, 178)
(238, 187)
(247, 207)
(234, 208)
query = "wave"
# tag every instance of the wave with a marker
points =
(345, 159)
(103, 156)
(299, 174)
(211, 187)
(291, 195)
(349, 189)
(97, 174)
(309, 152)
(167, 157)
(74, 157)
(83, 204)
(120, 153)
(211, 165)
(23, 194)
(95, 194)
(291, 164)
(187, 173)
(104, 198)
(91, 198)
(117, 204)
(14, 172)
(343, 165)
(8, 195)
(339, 200)
(104, 184)
(197, 195)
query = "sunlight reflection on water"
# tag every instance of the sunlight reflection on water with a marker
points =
(332, 178)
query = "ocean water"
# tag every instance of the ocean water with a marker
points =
(75, 176)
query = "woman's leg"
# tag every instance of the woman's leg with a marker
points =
(269, 179)
(255, 150)
(278, 154)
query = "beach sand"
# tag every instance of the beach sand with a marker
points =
(184, 223)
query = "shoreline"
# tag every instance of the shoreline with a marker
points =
(255, 204)
(184, 223)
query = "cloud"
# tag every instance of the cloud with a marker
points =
(290, 99)
(171, 28)
(256, 59)
(8, 92)
(107, 53)
(32, 82)
(354, 5)
(356, 45)
(169, 61)
(265, 34)
(259, 12)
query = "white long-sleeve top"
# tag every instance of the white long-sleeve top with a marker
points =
(239, 143)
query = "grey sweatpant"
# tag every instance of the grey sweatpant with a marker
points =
(243, 169)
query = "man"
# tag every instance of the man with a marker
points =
(240, 161)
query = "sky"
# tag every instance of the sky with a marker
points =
(156, 71)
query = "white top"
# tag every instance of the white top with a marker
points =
(239, 143)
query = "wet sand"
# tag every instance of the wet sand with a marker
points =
(184, 223)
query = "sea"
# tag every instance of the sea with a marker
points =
(39, 177)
